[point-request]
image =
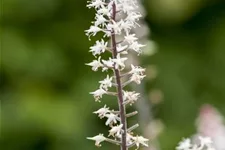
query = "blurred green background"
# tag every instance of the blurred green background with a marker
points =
(45, 103)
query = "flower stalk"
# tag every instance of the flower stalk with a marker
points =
(109, 21)
(122, 108)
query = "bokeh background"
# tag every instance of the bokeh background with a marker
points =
(45, 103)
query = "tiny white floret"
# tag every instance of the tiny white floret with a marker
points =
(95, 64)
(102, 112)
(184, 144)
(116, 130)
(106, 83)
(112, 119)
(140, 140)
(98, 94)
(98, 139)
(137, 78)
(119, 62)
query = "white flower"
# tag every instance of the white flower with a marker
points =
(119, 62)
(116, 130)
(95, 64)
(137, 74)
(102, 112)
(127, 6)
(137, 78)
(98, 139)
(107, 82)
(107, 64)
(207, 141)
(140, 140)
(136, 47)
(137, 70)
(125, 25)
(100, 20)
(112, 119)
(96, 4)
(129, 138)
(99, 47)
(93, 31)
(98, 94)
(104, 11)
(133, 17)
(185, 144)
(130, 38)
(108, 33)
(130, 97)
(114, 26)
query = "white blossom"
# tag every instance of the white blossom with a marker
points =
(136, 47)
(130, 38)
(99, 47)
(184, 144)
(115, 27)
(107, 64)
(93, 31)
(126, 26)
(205, 140)
(98, 94)
(137, 70)
(127, 6)
(119, 62)
(104, 11)
(95, 64)
(129, 137)
(137, 74)
(98, 139)
(108, 33)
(133, 17)
(130, 97)
(137, 78)
(100, 20)
(107, 82)
(112, 119)
(116, 130)
(102, 112)
(205, 143)
(140, 140)
(96, 4)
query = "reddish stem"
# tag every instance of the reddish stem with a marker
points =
(122, 108)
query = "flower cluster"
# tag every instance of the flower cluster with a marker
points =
(109, 21)
(202, 143)
(116, 130)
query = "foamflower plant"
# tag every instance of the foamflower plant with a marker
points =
(109, 21)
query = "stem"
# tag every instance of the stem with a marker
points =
(133, 127)
(119, 87)
(131, 114)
